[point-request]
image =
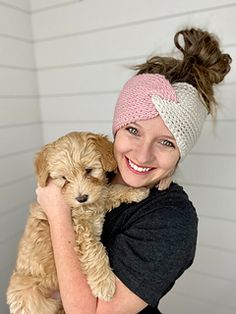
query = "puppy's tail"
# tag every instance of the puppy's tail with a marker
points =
(25, 297)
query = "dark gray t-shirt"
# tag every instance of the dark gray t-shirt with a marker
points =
(151, 243)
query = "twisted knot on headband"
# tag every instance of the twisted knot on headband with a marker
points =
(145, 96)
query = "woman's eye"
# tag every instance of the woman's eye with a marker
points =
(132, 130)
(167, 143)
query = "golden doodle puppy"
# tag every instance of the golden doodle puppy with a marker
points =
(77, 162)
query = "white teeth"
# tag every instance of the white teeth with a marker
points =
(139, 169)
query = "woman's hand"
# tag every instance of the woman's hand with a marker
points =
(51, 200)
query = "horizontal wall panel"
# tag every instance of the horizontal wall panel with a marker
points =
(15, 167)
(16, 53)
(85, 79)
(217, 233)
(207, 288)
(225, 96)
(106, 13)
(17, 193)
(217, 139)
(220, 264)
(230, 78)
(78, 108)
(208, 170)
(9, 250)
(80, 49)
(16, 111)
(22, 138)
(4, 306)
(23, 82)
(175, 303)
(15, 23)
(44, 4)
(53, 131)
(21, 4)
(211, 201)
(5, 274)
(14, 220)
(8, 258)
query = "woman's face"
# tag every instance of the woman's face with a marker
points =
(146, 152)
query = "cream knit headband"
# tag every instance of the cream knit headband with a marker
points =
(146, 96)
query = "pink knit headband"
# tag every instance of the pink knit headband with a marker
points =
(146, 96)
(135, 100)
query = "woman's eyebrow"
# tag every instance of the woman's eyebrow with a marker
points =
(136, 123)
(169, 137)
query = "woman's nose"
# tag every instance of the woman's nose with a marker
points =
(144, 154)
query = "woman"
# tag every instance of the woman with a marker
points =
(158, 119)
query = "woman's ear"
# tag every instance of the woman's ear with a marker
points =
(41, 165)
(105, 148)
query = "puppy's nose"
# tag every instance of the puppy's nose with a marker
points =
(82, 198)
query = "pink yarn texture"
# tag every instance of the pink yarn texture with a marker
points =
(135, 100)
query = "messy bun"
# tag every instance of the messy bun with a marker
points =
(203, 64)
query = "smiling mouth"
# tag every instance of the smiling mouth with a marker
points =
(138, 169)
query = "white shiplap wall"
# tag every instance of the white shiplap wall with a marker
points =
(82, 50)
(20, 130)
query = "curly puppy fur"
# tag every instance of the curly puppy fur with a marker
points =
(78, 163)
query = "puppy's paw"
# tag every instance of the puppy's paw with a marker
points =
(105, 289)
(139, 194)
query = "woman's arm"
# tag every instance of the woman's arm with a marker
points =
(74, 289)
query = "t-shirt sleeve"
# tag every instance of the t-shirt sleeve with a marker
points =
(153, 252)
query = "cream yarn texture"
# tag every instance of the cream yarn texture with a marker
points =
(184, 118)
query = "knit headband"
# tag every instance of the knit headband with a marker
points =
(145, 96)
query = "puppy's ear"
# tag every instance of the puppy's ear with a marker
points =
(105, 149)
(41, 165)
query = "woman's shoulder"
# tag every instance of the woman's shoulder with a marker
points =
(175, 192)
(165, 216)
(171, 208)
(174, 198)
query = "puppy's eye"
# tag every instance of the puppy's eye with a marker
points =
(64, 180)
(88, 170)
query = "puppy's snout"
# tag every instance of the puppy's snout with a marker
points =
(82, 198)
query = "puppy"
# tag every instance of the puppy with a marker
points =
(78, 163)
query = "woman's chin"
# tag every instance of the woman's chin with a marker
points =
(137, 183)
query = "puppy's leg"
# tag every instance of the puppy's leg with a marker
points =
(25, 296)
(95, 264)
(35, 274)
(119, 193)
